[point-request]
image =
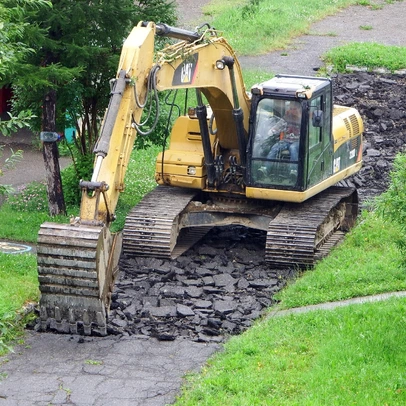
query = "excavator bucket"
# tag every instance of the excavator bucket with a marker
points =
(77, 266)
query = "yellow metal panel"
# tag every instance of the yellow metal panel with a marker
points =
(185, 135)
(298, 197)
(180, 158)
(173, 169)
(347, 124)
(182, 181)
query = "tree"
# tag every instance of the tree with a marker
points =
(12, 51)
(12, 32)
(76, 57)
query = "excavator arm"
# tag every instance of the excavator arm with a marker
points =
(78, 262)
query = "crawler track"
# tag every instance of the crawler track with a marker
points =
(152, 227)
(304, 233)
(297, 234)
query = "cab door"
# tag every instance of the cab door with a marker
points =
(319, 157)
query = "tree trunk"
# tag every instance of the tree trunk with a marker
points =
(56, 202)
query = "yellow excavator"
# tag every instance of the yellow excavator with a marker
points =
(267, 159)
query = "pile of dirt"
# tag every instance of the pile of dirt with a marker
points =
(220, 286)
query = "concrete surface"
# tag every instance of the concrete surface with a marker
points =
(52, 369)
(31, 168)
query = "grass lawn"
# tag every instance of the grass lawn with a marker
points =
(18, 286)
(368, 262)
(352, 355)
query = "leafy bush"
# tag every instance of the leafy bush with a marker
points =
(73, 174)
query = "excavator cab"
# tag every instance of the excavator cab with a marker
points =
(290, 133)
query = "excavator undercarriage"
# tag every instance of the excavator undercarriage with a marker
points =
(297, 234)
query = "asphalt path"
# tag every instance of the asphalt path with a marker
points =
(51, 369)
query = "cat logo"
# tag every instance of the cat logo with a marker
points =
(185, 72)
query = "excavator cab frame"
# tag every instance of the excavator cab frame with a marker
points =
(290, 152)
(324, 155)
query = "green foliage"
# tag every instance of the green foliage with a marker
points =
(155, 135)
(19, 286)
(13, 28)
(7, 128)
(81, 169)
(14, 123)
(77, 47)
(367, 54)
(156, 10)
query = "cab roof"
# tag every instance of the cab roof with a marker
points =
(291, 86)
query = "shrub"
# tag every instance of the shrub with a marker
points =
(81, 169)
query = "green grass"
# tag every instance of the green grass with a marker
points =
(271, 25)
(23, 225)
(368, 262)
(18, 286)
(367, 54)
(139, 181)
(268, 25)
(353, 355)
